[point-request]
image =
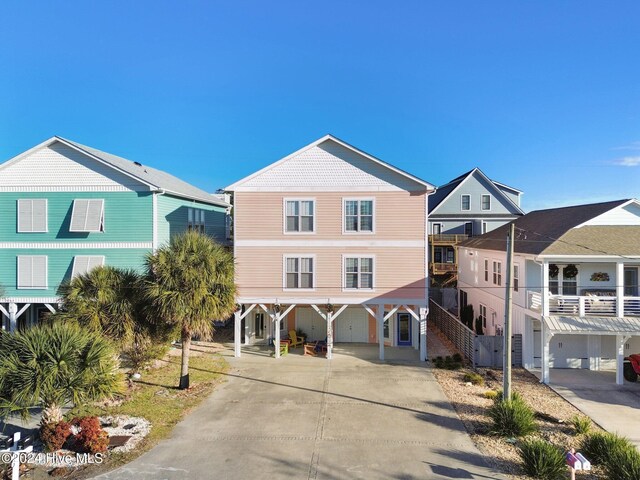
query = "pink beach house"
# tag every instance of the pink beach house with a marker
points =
(332, 241)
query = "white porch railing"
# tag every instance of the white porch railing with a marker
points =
(576, 305)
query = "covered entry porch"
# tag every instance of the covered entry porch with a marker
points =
(591, 330)
(384, 324)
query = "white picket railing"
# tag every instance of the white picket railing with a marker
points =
(582, 305)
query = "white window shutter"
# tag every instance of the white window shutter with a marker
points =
(25, 213)
(94, 262)
(85, 263)
(24, 271)
(94, 216)
(39, 274)
(39, 209)
(79, 215)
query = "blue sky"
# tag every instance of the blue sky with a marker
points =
(543, 96)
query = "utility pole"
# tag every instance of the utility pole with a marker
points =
(506, 359)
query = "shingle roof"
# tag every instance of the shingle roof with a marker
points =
(156, 178)
(543, 231)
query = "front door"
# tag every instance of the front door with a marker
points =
(404, 329)
(258, 326)
(631, 282)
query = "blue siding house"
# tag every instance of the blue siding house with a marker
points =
(67, 208)
(467, 206)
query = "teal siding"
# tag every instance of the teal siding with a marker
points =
(173, 218)
(127, 217)
(60, 263)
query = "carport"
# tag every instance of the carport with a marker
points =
(623, 328)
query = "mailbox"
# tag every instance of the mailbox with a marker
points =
(586, 464)
(573, 461)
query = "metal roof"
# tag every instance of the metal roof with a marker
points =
(148, 175)
(592, 325)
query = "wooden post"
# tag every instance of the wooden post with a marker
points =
(380, 325)
(329, 335)
(620, 289)
(236, 334)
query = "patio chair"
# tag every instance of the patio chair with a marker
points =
(295, 340)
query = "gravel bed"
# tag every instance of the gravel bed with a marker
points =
(552, 410)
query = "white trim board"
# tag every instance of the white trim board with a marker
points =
(330, 243)
(75, 245)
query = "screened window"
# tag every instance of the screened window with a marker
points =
(32, 215)
(486, 202)
(32, 271)
(358, 215)
(468, 229)
(87, 215)
(299, 215)
(299, 272)
(516, 277)
(483, 315)
(569, 284)
(358, 272)
(195, 220)
(466, 202)
(497, 273)
(486, 270)
(85, 263)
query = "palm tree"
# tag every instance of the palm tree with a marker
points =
(190, 283)
(51, 365)
(105, 299)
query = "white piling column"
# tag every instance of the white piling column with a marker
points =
(380, 326)
(236, 334)
(423, 334)
(620, 341)
(329, 335)
(13, 320)
(277, 334)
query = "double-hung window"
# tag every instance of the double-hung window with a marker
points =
(486, 270)
(465, 202)
(358, 273)
(195, 220)
(497, 273)
(299, 216)
(358, 215)
(516, 277)
(32, 215)
(486, 202)
(299, 272)
(87, 215)
(32, 272)
(85, 263)
(483, 315)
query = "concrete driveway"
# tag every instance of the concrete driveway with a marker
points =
(616, 408)
(310, 418)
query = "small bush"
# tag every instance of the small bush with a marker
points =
(623, 463)
(512, 418)
(53, 435)
(543, 460)
(580, 424)
(91, 438)
(474, 378)
(491, 394)
(457, 358)
(598, 447)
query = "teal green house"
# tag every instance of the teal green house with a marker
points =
(66, 208)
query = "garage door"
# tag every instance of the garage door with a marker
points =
(311, 323)
(565, 351)
(352, 326)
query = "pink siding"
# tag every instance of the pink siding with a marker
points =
(398, 215)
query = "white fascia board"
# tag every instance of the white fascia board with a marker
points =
(587, 258)
(301, 301)
(515, 190)
(628, 202)
(493, 185)
(234, 186)
(214, 201)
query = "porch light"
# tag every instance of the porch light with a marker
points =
(276, 308)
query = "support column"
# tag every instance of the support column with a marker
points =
(276, 342)
(423, 334)
(380, 330)
(329, 335)
(13, 317)
(545, 288)
(237, 333)
(620, 341)
(619, 289)
(546, 339)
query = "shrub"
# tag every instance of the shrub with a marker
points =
(91, 438)
(491, 394)
(53, 435)
(623, 463)
(512, 418)
(474, 378)
(542, 459)
(457, 358)
(580, 424)
(466, 315)
(598, 447)
(451, 364)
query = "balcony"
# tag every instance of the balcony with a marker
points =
(447, 239)
(584, 305)
(442, 268)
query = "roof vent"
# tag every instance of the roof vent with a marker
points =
(138, 163)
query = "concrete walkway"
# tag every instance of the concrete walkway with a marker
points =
(310, 418)
(616, 408)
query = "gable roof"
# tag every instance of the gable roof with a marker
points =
(153, 178)
(443, 192)
(553, 232)
(330, 138)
